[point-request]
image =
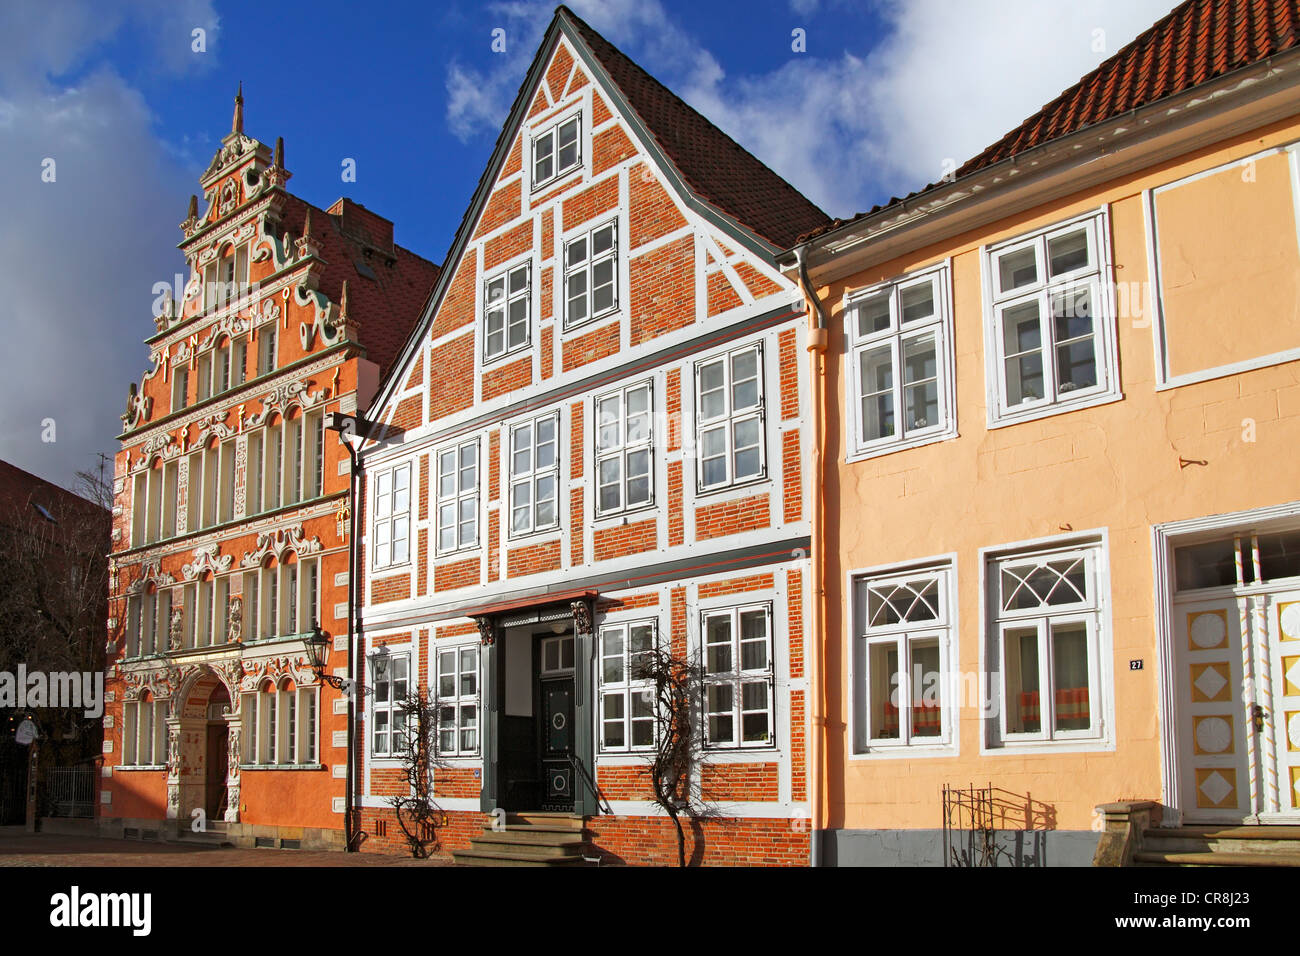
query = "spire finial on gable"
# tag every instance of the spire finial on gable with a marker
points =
(237, 124)
(343, 301)
(306, 226)
(193, 212)
(278, 159)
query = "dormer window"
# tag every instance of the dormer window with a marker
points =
(557, 150)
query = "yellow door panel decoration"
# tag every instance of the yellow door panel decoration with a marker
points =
(1211, 682)
(1292, 724)
(1216, 787)
(1291, 676)
(1213, 734)
(1207, 630)
(1288, 620)
(1295, 787)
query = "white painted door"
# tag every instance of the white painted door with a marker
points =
(1217, 748)
(1278, 618)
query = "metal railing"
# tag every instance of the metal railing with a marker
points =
(974, 816)
(70, 791)
(591, 785)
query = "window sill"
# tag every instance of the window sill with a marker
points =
(866, 453)
(573, 330)
(1067, 745)
(615, 519)
(524, 536)
(465, 551)
(117, 768)
(282, 766)
(1059, 408)
(518, 350)
(559, 179)
(733, 486)
(904, 752)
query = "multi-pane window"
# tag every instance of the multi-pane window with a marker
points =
(901, 390)
(902, 659)
(627, 698)
(388, 720)
(144, 732)
(1051, 326)
(266, 343)
(180, 386)
(624, 451)
(392, 516)
(225, 279)
(458, 703)
(738, 677)
(729, 418)
(279, 725)
(507, 304)
(591, 274)
(534, 474)
(557, 150)
(1046, 643)
(457, 497)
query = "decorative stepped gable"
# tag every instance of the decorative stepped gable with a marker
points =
(679, 170)
(318, 251)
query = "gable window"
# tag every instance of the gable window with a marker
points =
(729, 418)
(392, 516)
(899, 335)
(458, 700)
(180, 386)
(1052, 325)
(507, 302)
(266, 343)
(624, 449)
(902, 659)
(388, 719)
(534, 475)
(1047, 642)
(738, 677)
(557, 150)
(458, 497)
(591, 275)
(627, 699)
(226, 278)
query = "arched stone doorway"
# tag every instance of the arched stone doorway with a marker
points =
(203, 770)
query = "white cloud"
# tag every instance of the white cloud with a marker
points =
(850, 127)
(79, 255)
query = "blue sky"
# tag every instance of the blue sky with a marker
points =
(884, 94)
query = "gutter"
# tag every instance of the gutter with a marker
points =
(817, 336)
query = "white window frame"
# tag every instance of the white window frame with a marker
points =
(737, 677)
(551, 131)
(1094, 612)
(386, 515)
(626, 687)
(135, 740)
(898, 332)
(458, 497)
(587, 268)
(1096, 277)
(621, 449)
(903, 635)
(730, 418)
(531, 476)
(388, 707)
(524, 295)
(459, 701)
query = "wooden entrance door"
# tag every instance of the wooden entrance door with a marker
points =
(557, 744)
(214, 789)
(1239, 708)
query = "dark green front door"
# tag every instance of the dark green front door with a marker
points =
(557, 744)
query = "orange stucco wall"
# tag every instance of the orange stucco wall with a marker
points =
(1114, 466)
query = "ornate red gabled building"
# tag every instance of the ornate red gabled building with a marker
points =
(231, 532)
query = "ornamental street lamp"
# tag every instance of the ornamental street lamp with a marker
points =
(318, 652)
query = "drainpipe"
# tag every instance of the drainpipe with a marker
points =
(817, 336)
(348, 833)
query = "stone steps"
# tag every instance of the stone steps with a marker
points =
(529, 839)
(1220, 846)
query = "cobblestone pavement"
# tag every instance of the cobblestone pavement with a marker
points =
(20, 848)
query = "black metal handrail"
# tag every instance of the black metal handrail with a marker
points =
(591, 784)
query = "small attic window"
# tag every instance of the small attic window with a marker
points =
(365, 270)
(557, 150)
